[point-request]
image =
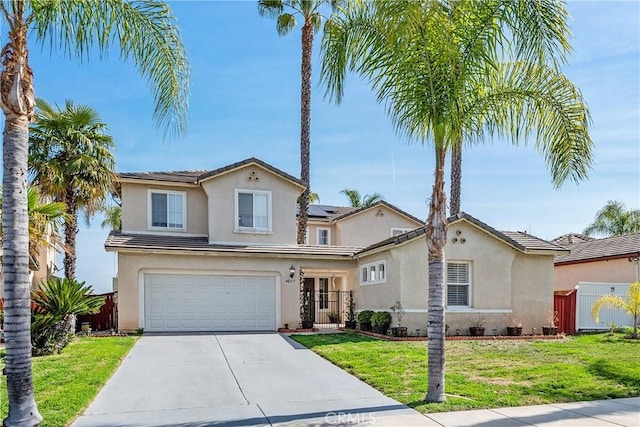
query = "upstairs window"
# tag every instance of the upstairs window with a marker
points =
(458, 284)
(253, 211)
(324, 236)
(167, 210)
(398, 231)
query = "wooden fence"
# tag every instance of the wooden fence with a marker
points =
(564, 303)
(106, 318)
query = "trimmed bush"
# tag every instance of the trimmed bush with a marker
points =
(364, 319)
(381, 321)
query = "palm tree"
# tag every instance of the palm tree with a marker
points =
(45, 219)
(71, 160)
(614, 219)
(112, 217)
(309, 10)
(631, 305)
(148, 36)
(356, 201)
(454, 70)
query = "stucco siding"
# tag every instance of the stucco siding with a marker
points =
(135, 208)
(313, 233)
(370, 226)
(608, 271)
(532, 290)
(221, 192)
(133, 266)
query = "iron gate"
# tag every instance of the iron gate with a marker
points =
(323, 308)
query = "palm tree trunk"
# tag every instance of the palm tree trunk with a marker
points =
(305, 128)
(456, 178)
(70, 234)
(16, 90)
(436, 241)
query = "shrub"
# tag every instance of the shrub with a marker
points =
(381, 318)
(57, 303)
(365, 316)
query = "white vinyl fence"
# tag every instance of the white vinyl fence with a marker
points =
(588, 293)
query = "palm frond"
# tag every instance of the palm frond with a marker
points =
(147, 34)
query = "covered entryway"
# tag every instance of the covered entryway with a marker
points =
(203, 303)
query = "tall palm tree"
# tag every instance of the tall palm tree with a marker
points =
(355, 201)
(71, 160)
(410, 52)
(631, 305)
(148, 37)
(285, 12)
(614, 219)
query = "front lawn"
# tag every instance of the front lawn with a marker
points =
(66, 383)
(490, 374)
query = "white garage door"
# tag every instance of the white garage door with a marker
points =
(183, 303)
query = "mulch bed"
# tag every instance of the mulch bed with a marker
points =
(460, 337)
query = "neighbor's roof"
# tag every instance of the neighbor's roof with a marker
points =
(571, 239)
(601, 249)
(521, 241)
(197, 176)
(143, 242)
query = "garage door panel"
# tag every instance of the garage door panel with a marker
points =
(209, 303)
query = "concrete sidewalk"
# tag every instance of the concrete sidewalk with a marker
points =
(269, 380)
(601, 413)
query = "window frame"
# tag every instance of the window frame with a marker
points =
(323, 293)
(150, 193)
(370, 273)
(318, 231)
(401, 230)
(254, 230)
(469, 285)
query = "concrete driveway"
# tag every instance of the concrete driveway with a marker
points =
(237, 380)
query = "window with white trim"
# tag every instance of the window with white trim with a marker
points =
(167, 210)
(324, 236)
(323, 292)
(253, 211)
(458, 284)
(397, 231)
(373, 273)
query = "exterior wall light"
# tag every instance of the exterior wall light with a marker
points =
(292, 271)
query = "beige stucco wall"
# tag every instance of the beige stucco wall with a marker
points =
(505, 283)
(221, 204)
(370, 226)
(608, 271)
(313, 232)
(131, 268)
(135, 208)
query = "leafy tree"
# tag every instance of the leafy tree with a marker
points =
(445, 72)
(148, 36)
(614, 219)
(112, 217)
(631, 305)
(356, 201)
(71, 160)
(285, 12)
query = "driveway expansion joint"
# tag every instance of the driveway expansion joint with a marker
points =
(226, 359)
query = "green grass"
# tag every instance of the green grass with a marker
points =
(490, 374)
(66, 383)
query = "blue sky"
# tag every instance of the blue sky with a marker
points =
(245, 102)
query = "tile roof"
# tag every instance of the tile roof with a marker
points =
(327, 212)
(610, 247)
(377, 205)
(118, 240)
(520, 240)
(197, 176)
(571, 238)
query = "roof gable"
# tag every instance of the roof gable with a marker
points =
(198, 176)
(520, 241)
(362, 209)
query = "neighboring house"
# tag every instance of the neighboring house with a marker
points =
(609, 260)
(216, 251)
(40, 267)
(498, 275)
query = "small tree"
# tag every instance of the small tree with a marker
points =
(631, 305)
(398, 311)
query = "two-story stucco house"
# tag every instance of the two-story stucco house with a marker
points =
(216, 251)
